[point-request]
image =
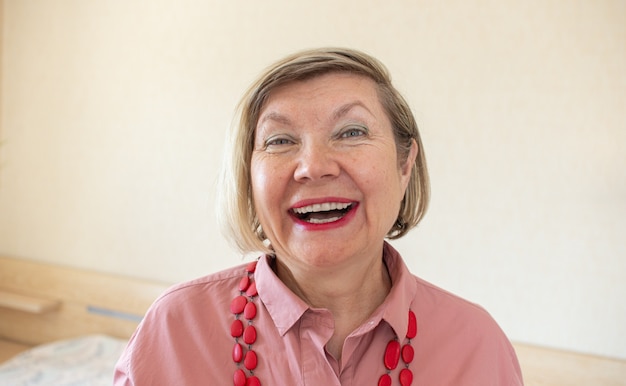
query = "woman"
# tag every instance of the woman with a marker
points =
(326, 163)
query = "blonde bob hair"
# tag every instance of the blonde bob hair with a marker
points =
(236, 210)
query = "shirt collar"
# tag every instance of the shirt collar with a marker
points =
(286, 308)
(395, 308)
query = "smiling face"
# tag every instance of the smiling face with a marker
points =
(326, 181)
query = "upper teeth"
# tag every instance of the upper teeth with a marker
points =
(325, 207)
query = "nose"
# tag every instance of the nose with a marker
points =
(316, 161)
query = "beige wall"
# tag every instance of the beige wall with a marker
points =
(114, 112)
(1, 62)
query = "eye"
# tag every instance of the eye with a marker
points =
(278, 142)
(353, 132)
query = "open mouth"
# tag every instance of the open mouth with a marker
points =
(322, 213)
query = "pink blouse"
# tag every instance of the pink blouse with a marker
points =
(185, 338)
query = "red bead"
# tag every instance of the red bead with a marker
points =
(251, 267)
(412, 328)
(238, 304)
(240, 378)
(251, 292)
(253, 381)
(406, 377)
(392, 354)
(249, 312)
(249, 335)
(237, 353)
(244, 283)
(407, 353)
(250, 361)
(385, 380)
(236, 329)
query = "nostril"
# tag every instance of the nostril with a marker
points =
(317, 164)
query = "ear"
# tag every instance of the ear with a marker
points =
(407, 167)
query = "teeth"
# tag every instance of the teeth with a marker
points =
(322, 221)
(325, 207)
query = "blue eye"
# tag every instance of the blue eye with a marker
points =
(278, 141)
(353, 132)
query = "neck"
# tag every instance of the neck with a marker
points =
(351, 292)
(340, 289)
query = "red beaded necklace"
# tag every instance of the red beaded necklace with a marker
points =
(243, 304)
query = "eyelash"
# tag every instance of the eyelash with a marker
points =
(277, 141)
(348, 132)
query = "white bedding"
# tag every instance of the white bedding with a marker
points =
(85, 361)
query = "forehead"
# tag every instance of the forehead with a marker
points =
(327, 91)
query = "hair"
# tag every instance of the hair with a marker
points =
(236, 205)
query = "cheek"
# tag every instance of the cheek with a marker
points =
(258, 181)
(372, 176)
(383, 180)
(377, 171)
(266, 181)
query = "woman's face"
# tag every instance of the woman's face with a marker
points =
(326, 182)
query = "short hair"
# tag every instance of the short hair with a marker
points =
(236, 211)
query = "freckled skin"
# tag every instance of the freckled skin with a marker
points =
(327, 138)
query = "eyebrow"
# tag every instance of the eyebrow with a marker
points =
(344, 109)
(276, 117)
(338, 113)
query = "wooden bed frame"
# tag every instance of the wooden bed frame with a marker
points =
(40, 303)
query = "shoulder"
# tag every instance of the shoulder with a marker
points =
(215, 279)
(200, 294)
(196, 309)
(430, 295)
(170, 344)
(442, 310)
(465, 336)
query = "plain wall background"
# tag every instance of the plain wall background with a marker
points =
(113, 117)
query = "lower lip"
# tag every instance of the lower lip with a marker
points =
(329, 225)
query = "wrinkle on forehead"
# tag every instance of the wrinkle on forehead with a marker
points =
(312, 88)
